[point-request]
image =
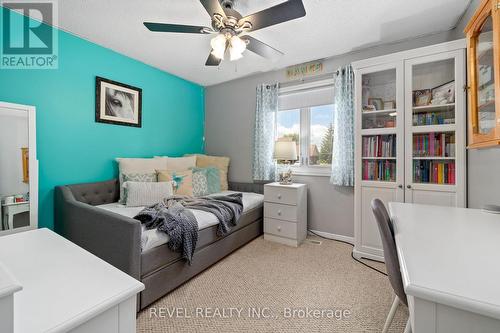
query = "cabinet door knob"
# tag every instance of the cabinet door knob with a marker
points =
(279, 196)
(279, 228)
(408, 186)
(400, 185)
(279, 212)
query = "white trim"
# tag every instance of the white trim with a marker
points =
(415, 53)
(33, 164)
(328, 235)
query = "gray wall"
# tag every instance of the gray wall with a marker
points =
(229, 120)
(483, 165)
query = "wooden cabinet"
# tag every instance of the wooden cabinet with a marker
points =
(409, 134)
(483, 45)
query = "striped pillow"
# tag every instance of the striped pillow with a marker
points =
(147, 193)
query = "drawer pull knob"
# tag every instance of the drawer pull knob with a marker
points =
(279, 196)
(279, 228)
(279, 212)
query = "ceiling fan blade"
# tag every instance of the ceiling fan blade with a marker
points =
(213, 7)
(165, 27)
(262, 49)
(212, 60)
(286, 11)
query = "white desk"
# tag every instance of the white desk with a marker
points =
(9, 210)
(450, 264)
(65, 288)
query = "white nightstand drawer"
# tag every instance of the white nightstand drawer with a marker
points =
(280, 212)
(280, 194)
(280, 228)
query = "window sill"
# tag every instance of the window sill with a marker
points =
(312, 171)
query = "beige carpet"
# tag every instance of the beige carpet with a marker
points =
(277, 280)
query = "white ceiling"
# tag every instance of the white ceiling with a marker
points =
(330, 27)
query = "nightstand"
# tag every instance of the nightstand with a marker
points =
(285, 213)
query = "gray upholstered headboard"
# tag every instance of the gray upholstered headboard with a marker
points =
(247, 187)
(101, 193)
(95, 194)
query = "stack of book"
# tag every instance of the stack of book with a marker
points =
(424, 119)
(380, 170)
(434, 144)
(436, 172)
(379, 146)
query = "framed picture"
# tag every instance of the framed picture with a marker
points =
(117, 103)
(25, 161)
(422, 97)
(444, 94)
(389, 105)
(378, 103)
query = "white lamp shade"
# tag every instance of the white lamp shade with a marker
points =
(218, 44)
(285, 151)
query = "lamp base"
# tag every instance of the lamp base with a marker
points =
(285, 174)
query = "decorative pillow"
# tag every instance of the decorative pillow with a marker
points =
(200, 183)
(137, 177)
(138, 165)
(221, 163)
(179, 163)
(182, 181)
(213, 178)
(146, 193)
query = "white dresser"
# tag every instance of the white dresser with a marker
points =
(56, 286)
(285, 213)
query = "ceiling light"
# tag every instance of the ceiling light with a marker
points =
(218, 44)
(237, 47)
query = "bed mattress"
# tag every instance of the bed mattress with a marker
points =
(153, 238)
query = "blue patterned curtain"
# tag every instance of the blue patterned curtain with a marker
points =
(264, 167)
(343, 134)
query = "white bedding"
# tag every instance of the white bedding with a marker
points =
(153, 238)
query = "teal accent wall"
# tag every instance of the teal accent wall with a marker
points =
(72, 147)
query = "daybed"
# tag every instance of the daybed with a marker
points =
(117, 238)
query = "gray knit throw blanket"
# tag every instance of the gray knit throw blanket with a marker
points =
(173, 216)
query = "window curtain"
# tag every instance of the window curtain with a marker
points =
(264, 167)
(343, 126)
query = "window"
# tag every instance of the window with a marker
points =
(312, 129)
(306, 117)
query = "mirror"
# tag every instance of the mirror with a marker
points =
(18, 168)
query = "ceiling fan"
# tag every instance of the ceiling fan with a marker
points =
(231, 28)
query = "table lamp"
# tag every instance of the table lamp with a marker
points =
(285, 151)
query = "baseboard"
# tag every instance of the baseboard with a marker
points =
(328, 235)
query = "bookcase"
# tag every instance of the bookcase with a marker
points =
(410, 134)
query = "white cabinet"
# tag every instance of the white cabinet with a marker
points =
(285, 213)
(410, 134)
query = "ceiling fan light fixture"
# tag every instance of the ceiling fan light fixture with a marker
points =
(237, 47)
(218, 44)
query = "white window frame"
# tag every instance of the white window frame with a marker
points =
(303, 168)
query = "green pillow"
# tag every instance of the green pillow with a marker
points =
(213, 178)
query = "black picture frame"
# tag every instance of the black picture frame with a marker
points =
(131, 93)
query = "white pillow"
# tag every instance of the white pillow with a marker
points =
(147, 194)
(138, 165)
(179, 163)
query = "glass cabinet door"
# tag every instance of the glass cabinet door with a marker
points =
(483, 39)
(485, 80)
(434, 128)
(378, 125)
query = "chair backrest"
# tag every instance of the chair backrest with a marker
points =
(389, 244)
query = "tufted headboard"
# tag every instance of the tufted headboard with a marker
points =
(99, 193)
